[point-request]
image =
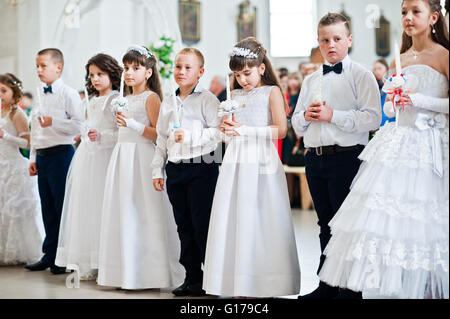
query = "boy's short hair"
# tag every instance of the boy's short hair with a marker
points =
(333, 18)
(55, 54)
(195, 52)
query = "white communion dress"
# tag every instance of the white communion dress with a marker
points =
(79, 234)
(139, 244)
(21, 226)
(251, 249)
(390, 236)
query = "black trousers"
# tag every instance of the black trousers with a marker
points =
(329, 179)
(191, 187)
(52, 173)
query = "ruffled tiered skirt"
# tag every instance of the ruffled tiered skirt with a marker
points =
(21, 226)
(390, 236)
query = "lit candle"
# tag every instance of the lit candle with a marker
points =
(122, 80)
(228, 88)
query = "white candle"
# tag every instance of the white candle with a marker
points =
(398, 68)
(38, 91)
(398, 64)
(320, 83)
(175, 104)
(86, 97)
(122, 80)
(228, 88)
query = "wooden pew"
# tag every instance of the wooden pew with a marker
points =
(305, 196)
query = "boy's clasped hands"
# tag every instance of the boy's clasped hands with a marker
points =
(318, 113)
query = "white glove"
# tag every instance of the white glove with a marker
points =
(430, 103)
(254, 131)
(17, 141)
(135, 125)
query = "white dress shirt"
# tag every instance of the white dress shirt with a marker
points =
(63, 105)
(355, 99)
(197, 116)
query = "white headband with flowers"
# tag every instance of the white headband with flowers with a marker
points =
(141, 50)
(243, 52)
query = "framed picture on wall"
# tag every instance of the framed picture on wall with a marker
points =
(189, 20)
(383, 37)
(246, 23)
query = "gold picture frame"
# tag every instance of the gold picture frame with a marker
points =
(246, 23)
(189, 20)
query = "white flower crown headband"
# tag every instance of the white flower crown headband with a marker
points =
(246, 53)
(141, 50)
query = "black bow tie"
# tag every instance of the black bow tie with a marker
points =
(337, 68)
(48, 89)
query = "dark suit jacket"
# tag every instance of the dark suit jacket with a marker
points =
(222, 96)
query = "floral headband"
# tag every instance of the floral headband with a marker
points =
(141, 50)
(246, 53)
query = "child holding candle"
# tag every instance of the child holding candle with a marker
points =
(251, 249)
(191, 168)
(79, 234)
(20, 238)
(138, 242)
(390, 236)
(53, 129)
(335, 132)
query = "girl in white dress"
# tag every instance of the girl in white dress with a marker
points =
(251, 249)
(21, 227)
(139, 245)
(79, 234)
(390, 236)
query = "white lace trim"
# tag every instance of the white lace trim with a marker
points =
(423, 211)
(387, 252)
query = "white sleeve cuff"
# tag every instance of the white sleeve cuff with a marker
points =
(338, 118)
(299, 123)
(158, 173)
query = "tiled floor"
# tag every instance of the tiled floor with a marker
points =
(15, 282)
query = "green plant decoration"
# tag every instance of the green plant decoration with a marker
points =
(163, 48)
